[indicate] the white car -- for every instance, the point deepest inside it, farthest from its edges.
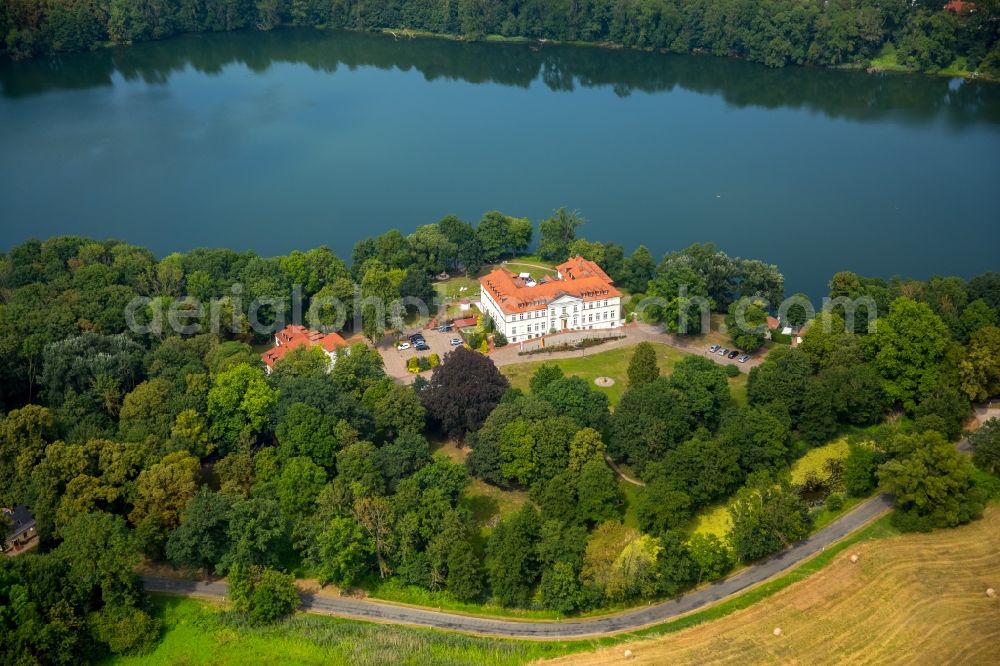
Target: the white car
(456, 342)
(403, 345)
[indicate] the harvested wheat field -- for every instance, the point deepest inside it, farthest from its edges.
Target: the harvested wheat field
(916, 598)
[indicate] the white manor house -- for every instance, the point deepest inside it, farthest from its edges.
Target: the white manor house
(581, 297)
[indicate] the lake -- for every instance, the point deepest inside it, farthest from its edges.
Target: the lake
(292, 139)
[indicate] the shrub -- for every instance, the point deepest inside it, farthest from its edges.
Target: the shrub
(732, 371)
(779, 338)
(433, 360)
(126, 630)
(571, 346)
(262, 593)
(413, 364)
(834, 503)
(499, 339)
(712, 557)
(859, 470)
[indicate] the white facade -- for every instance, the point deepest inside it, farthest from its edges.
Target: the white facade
(563, 313)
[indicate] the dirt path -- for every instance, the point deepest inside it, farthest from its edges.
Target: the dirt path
(621, 474)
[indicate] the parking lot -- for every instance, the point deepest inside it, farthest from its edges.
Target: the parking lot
(723, 353)
(395, 359)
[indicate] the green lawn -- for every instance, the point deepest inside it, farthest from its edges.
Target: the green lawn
(713, 519)
(532, 259)
(458, 288)
(197, 633)
(887, 61)
(815, 460)
(486, 502)
(535, 272)
(489, 503)
(631, 491)
(593, 363)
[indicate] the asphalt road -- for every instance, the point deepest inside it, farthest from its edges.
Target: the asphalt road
(378, 611)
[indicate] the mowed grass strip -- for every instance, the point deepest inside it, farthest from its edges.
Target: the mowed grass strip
(196, 633)
(914, 598)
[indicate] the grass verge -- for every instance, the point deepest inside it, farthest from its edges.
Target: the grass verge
(196, 632)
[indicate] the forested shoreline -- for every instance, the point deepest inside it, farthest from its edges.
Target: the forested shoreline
(925, 36)
(179, 450)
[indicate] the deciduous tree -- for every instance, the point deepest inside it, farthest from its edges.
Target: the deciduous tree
(985, 444)
(933, 484)
(642, 367)
(463, 391)
(767, 516)
(908, 347)
(240, 406)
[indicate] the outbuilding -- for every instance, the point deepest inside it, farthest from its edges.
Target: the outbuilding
(20, 530)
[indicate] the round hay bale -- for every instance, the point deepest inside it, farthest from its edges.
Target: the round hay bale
(777, 631)
(854, 559)
(991, 593)
(628, 654)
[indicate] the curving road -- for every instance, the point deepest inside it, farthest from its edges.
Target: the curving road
(630, 620)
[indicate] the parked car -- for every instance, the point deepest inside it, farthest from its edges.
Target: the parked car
(403, 345)
(734, 353)
(744, 358)
(714, 348)
(723, 352)
(455, 342)
(421, 346)
(416, 336)
(445, 329)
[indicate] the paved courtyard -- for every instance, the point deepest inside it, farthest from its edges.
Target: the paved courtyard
(395, 359)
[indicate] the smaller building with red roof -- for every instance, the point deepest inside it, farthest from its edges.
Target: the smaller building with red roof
(959, 7)
(294, 336)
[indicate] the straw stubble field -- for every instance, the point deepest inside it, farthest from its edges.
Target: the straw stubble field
(915, 599)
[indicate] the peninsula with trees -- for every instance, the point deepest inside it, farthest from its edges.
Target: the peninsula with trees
(497, 482)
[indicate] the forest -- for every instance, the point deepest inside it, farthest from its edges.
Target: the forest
(922, 35)
(179, 451)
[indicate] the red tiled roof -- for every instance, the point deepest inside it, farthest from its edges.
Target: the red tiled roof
(577, 267)
(273, 355)
(959, 7)
(464, 323)
(772, 323)
(296, 335)
(581, 278)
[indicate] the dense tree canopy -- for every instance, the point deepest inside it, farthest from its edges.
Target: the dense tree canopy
(774, 32)
(463, 391)
(934, 484)
(182, 450)
(907, 347)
